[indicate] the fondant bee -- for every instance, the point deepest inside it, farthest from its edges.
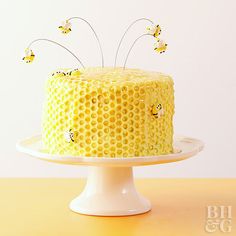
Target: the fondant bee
(157, 111)
(75, 72)
(69, 136)
(154, 30)
(160, 46)
(65, 27)
(29, 56)
(58, 74)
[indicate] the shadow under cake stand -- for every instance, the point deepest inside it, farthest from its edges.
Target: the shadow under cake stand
(110, 189)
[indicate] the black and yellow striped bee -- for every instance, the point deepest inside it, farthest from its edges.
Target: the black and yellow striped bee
(157, 110)
(29, 56)
(65, 27)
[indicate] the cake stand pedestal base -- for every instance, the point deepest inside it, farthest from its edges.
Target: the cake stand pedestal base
(110, 191)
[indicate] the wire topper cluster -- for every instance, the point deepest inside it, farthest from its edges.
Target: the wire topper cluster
(153, 30)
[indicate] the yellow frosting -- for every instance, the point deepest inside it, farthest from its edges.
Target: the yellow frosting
(108, 112)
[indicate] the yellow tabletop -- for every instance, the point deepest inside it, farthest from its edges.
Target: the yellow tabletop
(33, 207)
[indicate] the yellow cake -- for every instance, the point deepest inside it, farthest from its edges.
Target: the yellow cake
(108, 112)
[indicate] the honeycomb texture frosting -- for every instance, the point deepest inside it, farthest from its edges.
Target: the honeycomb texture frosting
(109, 112)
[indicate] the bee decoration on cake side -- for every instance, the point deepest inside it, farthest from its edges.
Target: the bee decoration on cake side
(157, 110)
(29, 56)
(69, 136)
(65, 27)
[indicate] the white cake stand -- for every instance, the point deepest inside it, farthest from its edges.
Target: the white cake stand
(110, 189)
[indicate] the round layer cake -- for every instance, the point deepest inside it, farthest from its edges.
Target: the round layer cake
(108, 112)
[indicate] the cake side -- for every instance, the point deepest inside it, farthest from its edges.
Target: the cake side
(108, 112)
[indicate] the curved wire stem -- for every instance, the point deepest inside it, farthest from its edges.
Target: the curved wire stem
(99, 43)
(126, 31)
(51, 41)
(135, 41)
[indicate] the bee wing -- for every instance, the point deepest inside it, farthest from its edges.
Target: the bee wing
(63, 23)
(28, 52)
(151, 29)
(67, 24)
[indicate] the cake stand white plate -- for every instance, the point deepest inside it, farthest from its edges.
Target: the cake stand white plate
(110, 189)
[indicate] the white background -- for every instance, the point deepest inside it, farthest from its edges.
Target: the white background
(201, 35)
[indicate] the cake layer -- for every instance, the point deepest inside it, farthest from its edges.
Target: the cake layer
(108, 112)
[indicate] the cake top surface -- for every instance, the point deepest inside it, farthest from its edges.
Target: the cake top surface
(112, 75)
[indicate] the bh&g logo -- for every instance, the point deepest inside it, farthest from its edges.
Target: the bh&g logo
(219, 218)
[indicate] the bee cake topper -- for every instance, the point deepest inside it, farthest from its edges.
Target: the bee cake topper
(154, 30)
(66, 28)
(29, 55)
(160, 46)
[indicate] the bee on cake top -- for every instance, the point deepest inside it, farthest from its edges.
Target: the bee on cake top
(58, 74)
(75, 72)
